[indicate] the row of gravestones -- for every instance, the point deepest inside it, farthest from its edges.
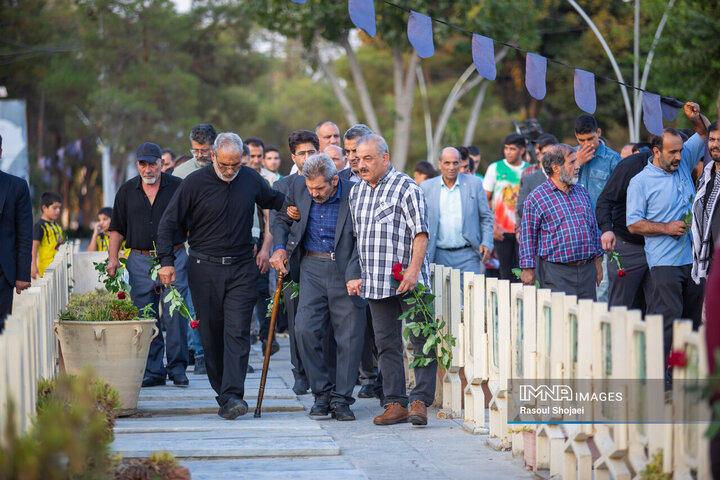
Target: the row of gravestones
(28, 346)
(509, 332)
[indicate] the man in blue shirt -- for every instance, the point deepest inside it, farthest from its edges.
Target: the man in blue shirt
(323, 261)
(658, 199)
(597, 161)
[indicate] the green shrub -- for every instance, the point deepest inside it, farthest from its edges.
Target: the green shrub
(654, 469)
(161, 465)
(107, 400)
(99, 306)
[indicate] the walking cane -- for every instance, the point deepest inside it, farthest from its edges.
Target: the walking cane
(268, 347)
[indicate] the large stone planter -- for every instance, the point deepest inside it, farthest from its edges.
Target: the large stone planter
(116, 351)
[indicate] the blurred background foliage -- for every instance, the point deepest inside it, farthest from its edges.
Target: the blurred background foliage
(122, 72)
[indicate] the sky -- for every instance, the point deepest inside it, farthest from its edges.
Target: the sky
(182, 5)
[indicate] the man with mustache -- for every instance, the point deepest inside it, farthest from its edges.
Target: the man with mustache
(658, 199)
(350, 138)
(706, 215)
(202, 137)
(216, 206)
(139, 204)
(560, 231)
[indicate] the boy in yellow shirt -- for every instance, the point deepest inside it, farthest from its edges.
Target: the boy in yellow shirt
(47, 234)
(100, 239)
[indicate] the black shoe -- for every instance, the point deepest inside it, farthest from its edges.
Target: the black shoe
(253, 339)
(153, 381)
(233, 408)
(200, 366)
(301, 386)
(250, 369)
(274, 347)
(366, 391)
(342, 413)
(191, 357)
(179, 380)
(321, 407)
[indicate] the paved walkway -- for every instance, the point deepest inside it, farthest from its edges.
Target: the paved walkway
(286, 443)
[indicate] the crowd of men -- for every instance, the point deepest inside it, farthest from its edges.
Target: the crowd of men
(223, 223)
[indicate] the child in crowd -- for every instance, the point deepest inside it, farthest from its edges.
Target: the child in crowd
(100, 240)
(47, 234)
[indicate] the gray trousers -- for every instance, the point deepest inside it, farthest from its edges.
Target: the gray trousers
(324, 300)
(675, 296)
(577, 280)
(465, 259)
(388, 338)
(143, 292)
(633, 290)
(368, 370)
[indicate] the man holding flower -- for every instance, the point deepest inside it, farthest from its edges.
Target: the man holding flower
(390, 220)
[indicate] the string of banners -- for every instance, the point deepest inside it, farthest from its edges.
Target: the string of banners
(656, 108)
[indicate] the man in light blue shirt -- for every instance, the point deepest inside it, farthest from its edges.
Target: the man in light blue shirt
(460, 223)
(658, 199)
(597, 161)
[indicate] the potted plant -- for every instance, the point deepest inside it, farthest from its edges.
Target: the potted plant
(529, 440)
(106, 332)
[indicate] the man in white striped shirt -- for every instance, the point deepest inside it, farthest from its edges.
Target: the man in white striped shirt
(390, 221)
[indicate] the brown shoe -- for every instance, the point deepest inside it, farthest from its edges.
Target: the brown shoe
(418, 413)
(394, 413)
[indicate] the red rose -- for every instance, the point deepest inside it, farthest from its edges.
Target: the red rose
(398, 276)
(621, 273)
(194, 324)
(677, 358)
(121, 295)
(397, 268)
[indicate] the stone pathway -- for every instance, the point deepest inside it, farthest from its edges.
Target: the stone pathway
(287, 444)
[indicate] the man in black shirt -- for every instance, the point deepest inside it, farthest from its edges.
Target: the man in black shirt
(139, 205)
(632, 289)
(216, 206)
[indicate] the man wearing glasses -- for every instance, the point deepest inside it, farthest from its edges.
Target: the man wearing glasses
(216, 206)
(202, 137)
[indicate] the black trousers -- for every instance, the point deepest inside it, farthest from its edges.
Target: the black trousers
(6, 299)
(368, 361)
(507, 253)
(675, 296)
(634, 290)
(224, 297)
(291, 306)
(261, 303)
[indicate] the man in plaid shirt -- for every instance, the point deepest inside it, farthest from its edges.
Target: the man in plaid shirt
(559, 227)
(390, 221)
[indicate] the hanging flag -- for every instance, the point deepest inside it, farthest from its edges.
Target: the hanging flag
(299, 1)
(362, 14)
(483, 53)
(535, 70)
(670, 107)
(652, 113)
(419, 30)
(585, 91)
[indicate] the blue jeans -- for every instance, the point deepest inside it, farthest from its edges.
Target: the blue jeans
(143, 292)
(193, 336)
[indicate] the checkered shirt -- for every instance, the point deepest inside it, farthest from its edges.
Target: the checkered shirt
(386, 220)
(559, 227)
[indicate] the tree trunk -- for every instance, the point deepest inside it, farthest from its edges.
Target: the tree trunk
(361, 86)
(405, 95)
(332, 78)
(458, 91)
(426, 107)
(474, 113)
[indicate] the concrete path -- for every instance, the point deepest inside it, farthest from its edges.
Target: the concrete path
(287, 444)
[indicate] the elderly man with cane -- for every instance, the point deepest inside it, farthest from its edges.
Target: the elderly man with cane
(216, 206)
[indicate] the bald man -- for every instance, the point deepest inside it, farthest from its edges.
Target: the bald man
(328, 133)
(459, 218)
(337, 154)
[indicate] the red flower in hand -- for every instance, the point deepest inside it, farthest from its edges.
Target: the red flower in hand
(194, 324)
(677, 358)
(621, 273)
(397, 272)
(121, 295)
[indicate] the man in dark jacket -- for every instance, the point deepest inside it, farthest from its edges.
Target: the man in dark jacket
(16, 225)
